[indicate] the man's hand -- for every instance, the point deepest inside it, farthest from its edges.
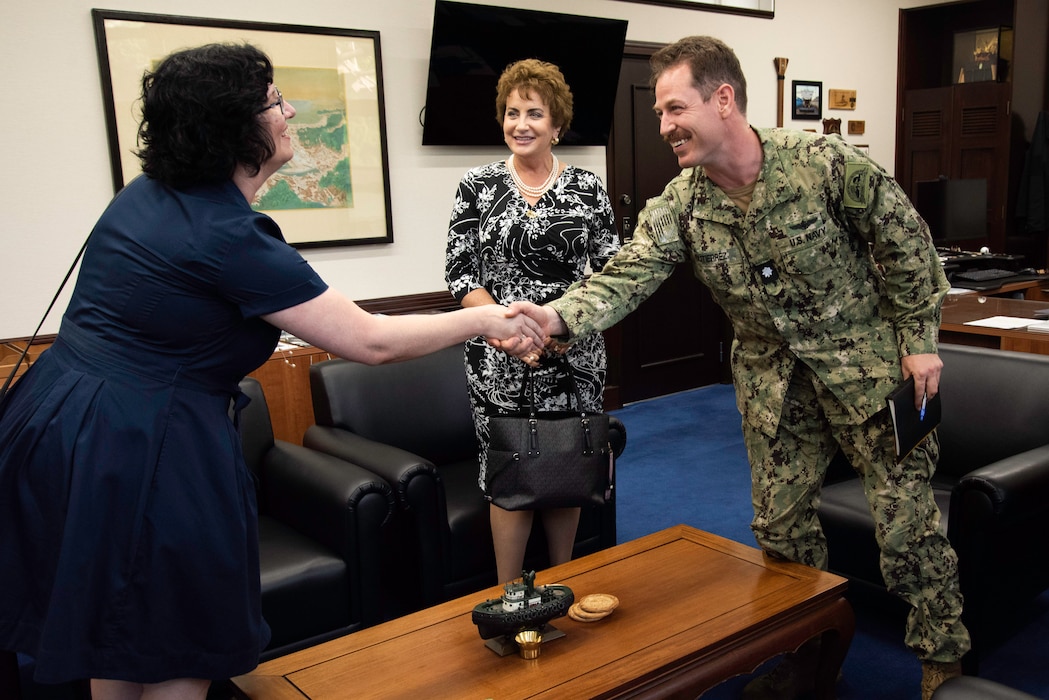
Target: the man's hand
(548, 322)
(514, 332)
(548, 319)
(926, 372)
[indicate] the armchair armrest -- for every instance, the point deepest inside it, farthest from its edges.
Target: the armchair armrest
(417, 483)
(401, 469)
(996, 525)
(1005, 490)
(325, 498)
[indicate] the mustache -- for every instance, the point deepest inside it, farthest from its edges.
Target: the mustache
(674, 136)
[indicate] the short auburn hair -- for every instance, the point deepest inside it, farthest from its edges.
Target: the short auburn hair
(545, 79)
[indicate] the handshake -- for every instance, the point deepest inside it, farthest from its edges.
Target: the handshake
(538, 326)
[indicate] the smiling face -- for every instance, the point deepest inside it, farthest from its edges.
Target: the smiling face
(528, 128)
(275, 114)
(694, 129)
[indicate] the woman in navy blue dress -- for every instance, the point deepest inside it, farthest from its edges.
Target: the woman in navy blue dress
(128, 544)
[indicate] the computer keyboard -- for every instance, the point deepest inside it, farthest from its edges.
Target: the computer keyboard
(984, 275)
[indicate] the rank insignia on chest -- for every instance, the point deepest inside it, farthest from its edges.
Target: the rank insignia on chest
(766, 272)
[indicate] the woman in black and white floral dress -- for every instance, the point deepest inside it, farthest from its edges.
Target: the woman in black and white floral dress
(525, 229)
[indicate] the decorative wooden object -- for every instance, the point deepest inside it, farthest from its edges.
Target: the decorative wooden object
(832, 126)
(781, 72)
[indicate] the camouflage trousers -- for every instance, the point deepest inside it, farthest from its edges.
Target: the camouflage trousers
(917, 562)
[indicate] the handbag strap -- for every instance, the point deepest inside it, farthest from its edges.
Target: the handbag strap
(526, 399)
(528, 390)
(29, 343)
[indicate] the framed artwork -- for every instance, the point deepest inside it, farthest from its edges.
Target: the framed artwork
(806, 99)
(336, 190)
(841, 99)
(982, 55)
(756, 8)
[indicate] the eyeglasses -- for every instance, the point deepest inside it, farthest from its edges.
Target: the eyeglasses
(278, 103)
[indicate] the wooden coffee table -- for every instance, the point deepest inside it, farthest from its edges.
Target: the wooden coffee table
(695, 609)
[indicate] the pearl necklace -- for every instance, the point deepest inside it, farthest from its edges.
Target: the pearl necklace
(534, 191)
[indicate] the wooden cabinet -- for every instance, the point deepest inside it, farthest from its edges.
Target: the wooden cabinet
(11, 351)
(961, 132)
(285, 379)
(972, 129)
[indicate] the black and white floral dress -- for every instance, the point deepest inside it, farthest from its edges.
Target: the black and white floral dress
(518, 251)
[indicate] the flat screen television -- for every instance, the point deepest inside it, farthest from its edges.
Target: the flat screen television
(473, 44)
(956, 210)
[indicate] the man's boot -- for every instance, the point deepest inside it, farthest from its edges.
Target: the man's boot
(934, 674)
(793, 677)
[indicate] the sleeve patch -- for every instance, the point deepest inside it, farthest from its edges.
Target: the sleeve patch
(661, 220)
(857, 193)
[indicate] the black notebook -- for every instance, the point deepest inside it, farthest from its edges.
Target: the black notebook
(909, 424)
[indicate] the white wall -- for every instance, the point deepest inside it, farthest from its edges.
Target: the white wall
(57, 179)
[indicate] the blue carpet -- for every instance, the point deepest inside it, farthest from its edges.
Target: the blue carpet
(685, 463)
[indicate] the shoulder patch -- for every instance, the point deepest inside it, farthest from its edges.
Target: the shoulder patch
(661, 220)
(857, 194)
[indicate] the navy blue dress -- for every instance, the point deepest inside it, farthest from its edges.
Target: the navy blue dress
(128, 543)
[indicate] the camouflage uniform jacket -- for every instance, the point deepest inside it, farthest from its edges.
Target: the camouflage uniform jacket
(831, 266)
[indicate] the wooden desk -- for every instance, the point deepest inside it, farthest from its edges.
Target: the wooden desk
(1031, 289)
(695, 609)
(958, 309)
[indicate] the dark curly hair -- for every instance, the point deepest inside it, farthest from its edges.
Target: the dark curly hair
(546, 79)
(199, 114)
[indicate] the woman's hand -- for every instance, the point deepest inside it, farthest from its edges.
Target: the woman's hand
(512, 331)
(527, 352)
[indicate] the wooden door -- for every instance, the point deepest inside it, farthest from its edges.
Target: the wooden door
(676, 340)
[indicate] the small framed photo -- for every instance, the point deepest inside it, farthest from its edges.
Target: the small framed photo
(982, 55)
(841, 99)
(857, 127)
(807, 102)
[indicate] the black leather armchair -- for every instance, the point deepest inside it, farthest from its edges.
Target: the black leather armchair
(411, 423)
(321, 522)
(991, 484)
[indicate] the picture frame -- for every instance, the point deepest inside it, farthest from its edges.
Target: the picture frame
(982, 55)
(333, 78)
(806, 99)
(762, 8)
(841, 99)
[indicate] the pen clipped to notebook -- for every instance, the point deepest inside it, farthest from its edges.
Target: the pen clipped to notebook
(911, 425)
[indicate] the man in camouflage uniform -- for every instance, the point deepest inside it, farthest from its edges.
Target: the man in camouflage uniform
(833, 288)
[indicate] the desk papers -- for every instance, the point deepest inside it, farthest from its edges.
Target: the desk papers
(1003, 322)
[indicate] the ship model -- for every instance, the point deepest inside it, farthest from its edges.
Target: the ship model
(523, 605)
